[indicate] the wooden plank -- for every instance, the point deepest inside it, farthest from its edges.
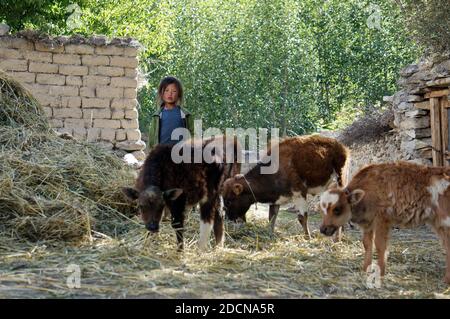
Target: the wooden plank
(438, 93)
(445, 82)
(425, 105)
(444, 129)
(436, 139)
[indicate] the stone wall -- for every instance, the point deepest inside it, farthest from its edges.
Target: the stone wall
(413, 123)
(87, 86)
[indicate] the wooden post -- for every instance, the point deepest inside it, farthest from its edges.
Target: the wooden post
(436, 137)
(444, 129)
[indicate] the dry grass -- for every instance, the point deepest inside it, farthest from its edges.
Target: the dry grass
(53, 188)
(253, 264)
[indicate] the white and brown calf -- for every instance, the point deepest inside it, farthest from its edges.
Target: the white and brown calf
(307, 165)
(381, 196)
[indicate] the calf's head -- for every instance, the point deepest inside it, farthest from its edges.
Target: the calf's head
(151, 202)
(336, 207)
(237, 198)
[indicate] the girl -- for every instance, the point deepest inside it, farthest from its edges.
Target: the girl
(170, 114)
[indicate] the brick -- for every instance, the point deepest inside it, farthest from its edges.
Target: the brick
(131, 73)
(80, 133)
(71, 101)
(131, 114)
(43, 67)
(130, 93)
(125, 62)
(48, 111)
(133, 135)
(73, 69)
(47, 100)
(95, 60)
(123, 104)
(106, 123)
(94, 103)
(109, 50)
(96, 80)
(129, 124)
(131, 146)
(79, 49)
(51, 79)
(37, 56)
(36, 88)
(16, 43)
(60, 90)
(67, 113)
(110, 92)
(74, 80)
(49, 48)
(77, 123)
(121, 135)
(72, 59)
(108, 134)
(132, 52)
(107, 70)
(93, 134)
(6, 53)
(123, 82)
(87, 91)
(14, 65)
(118, 114)
(97, 113)
(56, 123)
(23, 76)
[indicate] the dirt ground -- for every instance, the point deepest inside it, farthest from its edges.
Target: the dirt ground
(253, 264)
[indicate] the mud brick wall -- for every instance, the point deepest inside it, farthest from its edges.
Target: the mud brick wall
(87, 86)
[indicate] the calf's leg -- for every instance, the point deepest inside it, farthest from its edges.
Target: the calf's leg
(218, 226)
(206, 223)
(302, 216)
(338, 234)
(368, 248)
(178, 225)
(273, 213)
(381, 242)
(446, 241)
(444, 234)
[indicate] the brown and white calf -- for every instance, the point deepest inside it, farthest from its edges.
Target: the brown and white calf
(307, 165)
(163, 182)
(381, 196)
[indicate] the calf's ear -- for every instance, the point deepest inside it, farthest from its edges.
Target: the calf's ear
(356, 196)
(172, 194)
(238, 188)
(131, 193)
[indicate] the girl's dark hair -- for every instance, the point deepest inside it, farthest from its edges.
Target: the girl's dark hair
(164, 83)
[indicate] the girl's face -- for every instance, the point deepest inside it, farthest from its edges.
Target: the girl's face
(170, 94)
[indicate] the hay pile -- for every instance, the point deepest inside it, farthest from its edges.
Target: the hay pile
(53, 188)
(253, 264)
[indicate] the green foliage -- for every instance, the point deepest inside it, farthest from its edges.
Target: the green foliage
(297, 65)
(429, 22)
